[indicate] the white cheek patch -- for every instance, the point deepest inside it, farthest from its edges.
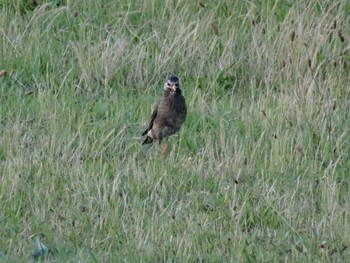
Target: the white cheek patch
(150, 134)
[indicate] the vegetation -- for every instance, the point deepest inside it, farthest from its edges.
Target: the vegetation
(259, 172)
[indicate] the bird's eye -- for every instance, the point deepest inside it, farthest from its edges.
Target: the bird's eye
(177, 84)
(168, 83)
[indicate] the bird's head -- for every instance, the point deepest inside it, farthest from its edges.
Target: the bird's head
(172, 84)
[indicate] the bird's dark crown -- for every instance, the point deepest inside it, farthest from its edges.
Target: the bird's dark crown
(173, 80)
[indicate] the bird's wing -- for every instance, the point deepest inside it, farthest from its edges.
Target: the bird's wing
(154, 115)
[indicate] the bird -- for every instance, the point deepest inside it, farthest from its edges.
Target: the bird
(169, 113)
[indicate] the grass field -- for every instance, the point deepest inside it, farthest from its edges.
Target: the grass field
(260, 172)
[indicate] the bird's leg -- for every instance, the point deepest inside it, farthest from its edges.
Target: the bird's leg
(166, 150)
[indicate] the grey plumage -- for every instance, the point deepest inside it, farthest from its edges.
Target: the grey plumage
(169, 113)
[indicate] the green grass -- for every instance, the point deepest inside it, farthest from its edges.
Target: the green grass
(259, 172)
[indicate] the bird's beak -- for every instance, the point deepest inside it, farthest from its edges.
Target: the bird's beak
(173, 87)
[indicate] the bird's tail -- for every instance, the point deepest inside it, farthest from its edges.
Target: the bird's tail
(148, 140)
